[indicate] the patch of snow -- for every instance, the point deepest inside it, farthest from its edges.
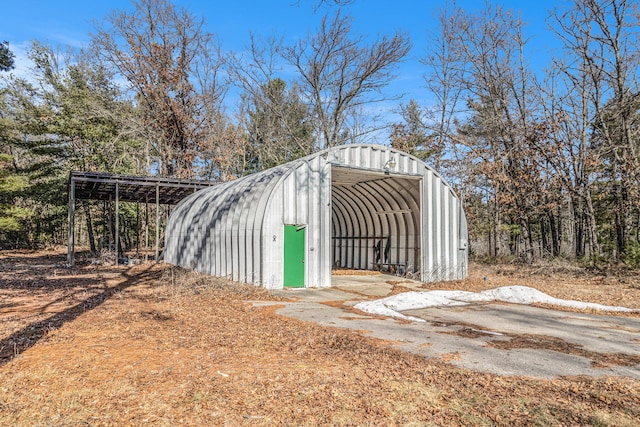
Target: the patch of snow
(378, 307)
(482, 331)
(393, 306)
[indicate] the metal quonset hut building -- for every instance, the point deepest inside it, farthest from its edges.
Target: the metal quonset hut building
(353, 206)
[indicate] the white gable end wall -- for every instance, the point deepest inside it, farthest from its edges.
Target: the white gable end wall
(302, 198)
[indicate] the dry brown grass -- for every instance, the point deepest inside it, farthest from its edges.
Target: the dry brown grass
(170, 348)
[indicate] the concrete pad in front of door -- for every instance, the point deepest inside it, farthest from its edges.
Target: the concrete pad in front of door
(473, 336)
(374, 285)
(350, 288)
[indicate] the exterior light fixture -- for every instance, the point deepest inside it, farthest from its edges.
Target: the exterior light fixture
(390, 164)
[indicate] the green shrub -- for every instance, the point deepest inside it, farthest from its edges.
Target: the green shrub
(631, 255)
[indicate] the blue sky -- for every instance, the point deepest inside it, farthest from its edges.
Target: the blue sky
(69, 22)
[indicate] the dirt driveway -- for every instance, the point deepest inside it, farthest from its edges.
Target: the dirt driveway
(505, 339)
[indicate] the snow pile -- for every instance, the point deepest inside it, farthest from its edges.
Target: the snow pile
(393, 305)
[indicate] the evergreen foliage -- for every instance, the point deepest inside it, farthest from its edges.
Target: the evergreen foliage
(7, 57)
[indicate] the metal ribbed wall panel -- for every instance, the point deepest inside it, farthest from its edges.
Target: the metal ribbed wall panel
(348, 198)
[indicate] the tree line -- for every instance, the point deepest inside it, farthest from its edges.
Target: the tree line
(544, 158)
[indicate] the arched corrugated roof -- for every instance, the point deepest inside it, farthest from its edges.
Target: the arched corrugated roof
(348, 196)
(209, 222)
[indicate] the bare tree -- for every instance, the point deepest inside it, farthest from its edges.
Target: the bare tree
(479, 59)
(539, 152)
(276, 119)
(568, 113)
(172, 65)
(593, 117)
(317, 4)
(223, 150)
(340, 73)
(613, 61)
(445, 81)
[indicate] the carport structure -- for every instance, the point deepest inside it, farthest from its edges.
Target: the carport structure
(128, 188)
(355, 206)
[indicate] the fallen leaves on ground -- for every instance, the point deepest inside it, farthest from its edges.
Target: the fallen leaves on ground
(165, 347)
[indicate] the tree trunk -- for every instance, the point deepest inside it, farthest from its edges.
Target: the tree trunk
(92, 241)
(545, 228)
(527, 253)
(578, 221)
(621, 217)
(555, 235)
(594, 245)
(496, 227)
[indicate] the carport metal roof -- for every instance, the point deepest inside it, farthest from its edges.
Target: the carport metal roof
(141, 189)
(129, 188)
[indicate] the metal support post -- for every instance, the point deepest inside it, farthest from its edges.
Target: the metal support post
(157, 223)
(117, 222)
(71, 224)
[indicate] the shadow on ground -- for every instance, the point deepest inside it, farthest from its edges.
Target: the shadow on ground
(42, 280)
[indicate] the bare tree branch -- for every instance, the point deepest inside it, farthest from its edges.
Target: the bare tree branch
(340, 72)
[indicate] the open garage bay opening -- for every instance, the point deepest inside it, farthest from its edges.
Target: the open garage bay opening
(375, 221)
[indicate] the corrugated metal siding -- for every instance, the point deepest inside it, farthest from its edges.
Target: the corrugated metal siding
(236, 229)
(214, 230)
(299, 199)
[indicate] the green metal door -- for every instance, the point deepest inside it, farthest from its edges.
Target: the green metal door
(294, 256)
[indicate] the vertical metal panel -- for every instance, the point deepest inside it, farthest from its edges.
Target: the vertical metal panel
(453, 232)
(453, 228)
(421, 252)
(273, 241)
(427, 231)
(463, 243)
(319, 232)
(436, 227)
(324, 234)
(445, 231)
